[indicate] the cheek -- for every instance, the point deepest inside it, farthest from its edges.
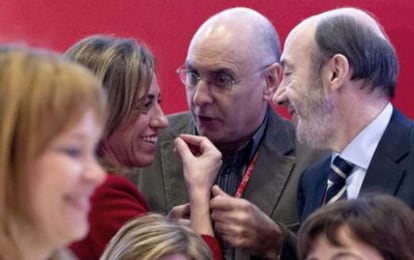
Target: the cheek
(139, 125)
(189, 94)
(48, 183)
(123, 136)
(291, 95)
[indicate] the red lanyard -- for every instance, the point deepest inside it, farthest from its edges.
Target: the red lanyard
(246, 177)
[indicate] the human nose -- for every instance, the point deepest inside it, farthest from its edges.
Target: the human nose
(94, 172)
(202, 94)
(159, 120)
(280, 98)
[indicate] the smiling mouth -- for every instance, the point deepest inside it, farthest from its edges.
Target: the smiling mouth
(80, 202)
(150, 139)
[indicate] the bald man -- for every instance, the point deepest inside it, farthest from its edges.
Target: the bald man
(230, 74)
(340, 72)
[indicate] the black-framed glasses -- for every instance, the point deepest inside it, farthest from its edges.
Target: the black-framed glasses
(219, 80)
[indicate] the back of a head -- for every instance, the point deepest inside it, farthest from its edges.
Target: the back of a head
(245, 28)
(153, 236)
(42, 95)
(381, 221)
(124, 66)
(361, 39)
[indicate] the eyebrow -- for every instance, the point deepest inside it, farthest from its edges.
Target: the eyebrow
(190, 66)
(76, 135)
(340, 254)
(284, 63)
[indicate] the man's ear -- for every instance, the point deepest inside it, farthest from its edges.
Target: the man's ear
(337, 71)
(272, 76)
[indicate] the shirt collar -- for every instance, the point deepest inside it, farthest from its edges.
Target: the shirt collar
(362, 148)
(258, 135)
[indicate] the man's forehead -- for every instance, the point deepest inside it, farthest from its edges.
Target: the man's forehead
(206, 66)
(302, 37)
(209, 57)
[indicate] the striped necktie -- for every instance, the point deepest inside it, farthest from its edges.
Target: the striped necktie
(336, 189)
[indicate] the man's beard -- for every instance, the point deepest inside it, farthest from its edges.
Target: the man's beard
(315, 118)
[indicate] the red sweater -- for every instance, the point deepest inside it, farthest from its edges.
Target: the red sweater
(115, 202)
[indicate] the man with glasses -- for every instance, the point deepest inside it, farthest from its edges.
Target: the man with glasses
(230, 73)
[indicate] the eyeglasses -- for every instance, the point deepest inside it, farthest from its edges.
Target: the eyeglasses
(219, 80)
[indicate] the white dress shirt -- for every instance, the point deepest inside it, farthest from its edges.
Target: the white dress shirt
(362, 148)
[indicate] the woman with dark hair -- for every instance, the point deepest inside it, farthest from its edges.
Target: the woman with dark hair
(367, 228)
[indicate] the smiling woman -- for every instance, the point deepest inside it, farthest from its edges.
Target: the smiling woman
(127, 71)
(51, 117)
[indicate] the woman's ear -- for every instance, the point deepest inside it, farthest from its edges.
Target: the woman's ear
(272, 76)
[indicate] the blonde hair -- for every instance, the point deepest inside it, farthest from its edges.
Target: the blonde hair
(125, 68)
(41, 95)
(152, 236)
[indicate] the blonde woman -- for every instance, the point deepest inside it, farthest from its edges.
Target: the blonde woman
(127, 71)
(156, 237)
(51, 117)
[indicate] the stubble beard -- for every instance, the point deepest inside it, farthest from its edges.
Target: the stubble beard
(315, 121)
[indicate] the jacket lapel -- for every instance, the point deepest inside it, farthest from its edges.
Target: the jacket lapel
(274, 165)
(171, 165)
(313, 183)
(385, 171)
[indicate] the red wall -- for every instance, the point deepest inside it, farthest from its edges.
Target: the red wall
(167, 26)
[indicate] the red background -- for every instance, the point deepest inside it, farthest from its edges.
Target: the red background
(167, 26)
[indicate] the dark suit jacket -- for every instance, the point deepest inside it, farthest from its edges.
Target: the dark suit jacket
(272, 187)
(391, 169)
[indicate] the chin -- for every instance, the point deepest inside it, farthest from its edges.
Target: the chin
(144, 161)
(74, 233)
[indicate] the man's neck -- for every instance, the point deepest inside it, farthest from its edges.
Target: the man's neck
(352, 125)
(229, 149)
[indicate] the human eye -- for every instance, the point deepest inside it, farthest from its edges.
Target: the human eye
(287, 76)
(146, 107)
(287, 73)
(222, 80)
(73, 152)
(149, 103)
(192, 78)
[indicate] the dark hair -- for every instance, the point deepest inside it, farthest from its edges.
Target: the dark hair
(371, 56)
(380, 221)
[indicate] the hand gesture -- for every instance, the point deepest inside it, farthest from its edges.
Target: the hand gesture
(201, 162)
(243, 225)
